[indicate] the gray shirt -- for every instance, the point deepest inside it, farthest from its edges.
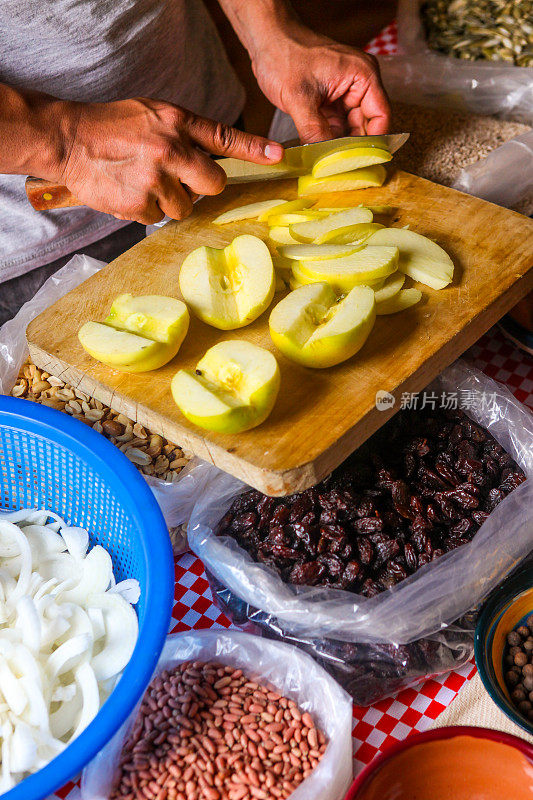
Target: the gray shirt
(101, 50)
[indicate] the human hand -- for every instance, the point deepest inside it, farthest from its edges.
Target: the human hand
(140, 159)
(328, 89)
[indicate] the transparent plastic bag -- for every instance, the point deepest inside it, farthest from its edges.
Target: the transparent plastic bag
(505, 176)
(411, 627)
(176, 499)
(424, 77)
(290, 671)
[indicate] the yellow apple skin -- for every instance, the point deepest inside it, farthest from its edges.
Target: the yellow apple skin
(342, 274)
(313, 328)
(229, 288)
(343, 182)
(234, 387)
(163, 319)
(399, 302)
(280, 235)
(312, 252)
(124, 351)
(310, 231)
(347, 160)
(288, 207)
(350, 234)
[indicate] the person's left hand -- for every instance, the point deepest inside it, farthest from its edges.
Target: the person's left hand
(328, 89)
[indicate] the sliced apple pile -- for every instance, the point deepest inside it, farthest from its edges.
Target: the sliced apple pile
(403, 299)
(315, 252)
(233, 388)
(342, 274)
(229, 288)
(348, 159)
(313, 230)
(140, 334)
(343, 182)
(281, 235)
(350, 234)
(311, 326)
(420, 257)
(287, 207)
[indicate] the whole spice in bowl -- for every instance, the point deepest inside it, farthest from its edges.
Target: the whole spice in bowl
(205, 731)
(519, 662)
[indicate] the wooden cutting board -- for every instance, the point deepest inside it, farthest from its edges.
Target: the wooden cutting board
(321, 416)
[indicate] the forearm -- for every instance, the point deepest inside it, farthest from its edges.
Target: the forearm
(35, 131)
(256, 21)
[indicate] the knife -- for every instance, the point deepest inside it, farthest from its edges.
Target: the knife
(46, 195)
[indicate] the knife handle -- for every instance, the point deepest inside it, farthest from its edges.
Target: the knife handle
(46, 195)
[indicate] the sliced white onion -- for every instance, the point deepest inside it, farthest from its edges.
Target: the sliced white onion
(88, 686)
(129, 589)
(23, 748)
(96, 615)
(10, 687)
(68, 655)
(96, 570)
(122, 629)
(76, 540)
(67, 716)
(29, 623)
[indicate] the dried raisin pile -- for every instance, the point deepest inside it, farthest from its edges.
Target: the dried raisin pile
(420, 487)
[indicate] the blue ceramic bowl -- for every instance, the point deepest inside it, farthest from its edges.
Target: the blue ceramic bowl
(506, 608)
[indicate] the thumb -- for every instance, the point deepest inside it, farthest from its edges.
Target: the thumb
(223, 140)
(311, 124)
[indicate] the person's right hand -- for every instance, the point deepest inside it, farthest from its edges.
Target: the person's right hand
(140, 159)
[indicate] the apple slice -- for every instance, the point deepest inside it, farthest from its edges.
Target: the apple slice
(312, 327)
(420, 257)
(233, 388)
(367, 264)
(281, 235)
(348, 160)
(229, 288)
(247, 212)
(351, 234)
(343, 182)
(287, 207)
(125, 351)
(399, 302)
(315, 252)
(390, 287)
(163, 319)
(310, 231)
(305, 215)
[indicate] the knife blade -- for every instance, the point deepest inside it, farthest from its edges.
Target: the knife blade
(300, 159)
(46, 195)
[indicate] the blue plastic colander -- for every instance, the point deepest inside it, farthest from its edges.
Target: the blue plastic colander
(49, 460)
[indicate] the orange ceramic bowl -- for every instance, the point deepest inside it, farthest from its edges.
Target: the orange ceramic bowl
(455, 763)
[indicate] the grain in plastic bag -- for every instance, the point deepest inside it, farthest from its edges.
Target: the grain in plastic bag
(428, 78)
(291, 673)
(175, 499)
(419, 627)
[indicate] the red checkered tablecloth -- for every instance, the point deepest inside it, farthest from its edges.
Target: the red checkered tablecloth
(416, 709)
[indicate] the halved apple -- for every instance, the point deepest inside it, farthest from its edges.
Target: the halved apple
(233, 388)
(348, 160)
(399, 302)
(343, 182)
(351, 234)
(420, 257)
(390, 287)
(313, 327)
(342, 274)
(247, 212)
(312, 230)
(229, 288)
(286, 207)
(315, 252)
(124, 351)
(281, 235)
(163, 319)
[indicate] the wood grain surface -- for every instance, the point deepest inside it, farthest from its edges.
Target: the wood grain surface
(321, 416)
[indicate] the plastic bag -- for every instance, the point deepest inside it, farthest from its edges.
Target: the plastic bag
(407, 632)
(424, 77)
(505, 176)
(176, 499)
(291, 672)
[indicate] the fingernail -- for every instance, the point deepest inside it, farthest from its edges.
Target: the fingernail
(274, 152)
